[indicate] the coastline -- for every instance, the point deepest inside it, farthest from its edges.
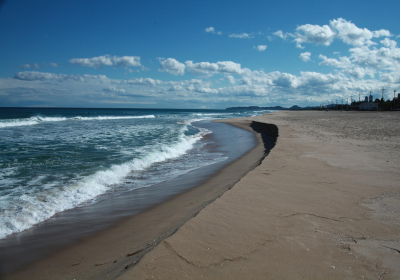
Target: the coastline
(324, 204)
(105, 254)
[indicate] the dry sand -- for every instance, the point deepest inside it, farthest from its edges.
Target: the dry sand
(324, 204)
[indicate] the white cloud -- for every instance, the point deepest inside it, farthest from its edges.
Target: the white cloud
(349, 33)
(114, 89)
(315, 34)
(37, 76)
(348, 67)
(207, 68)
(389, 43)
(383, 58)
(241, 36)
(305, 56)
(176, 88)
(261, 48)
(172, 66)
(190, 87)
(359, 72)
(343, 63)
(280, 34)
(128, 70)
(125, 61)
(231, 79)
(307, 84)
(191, 82)
(382, 33)
(246, 81)
(392, 78)
(339, 28)
(201, 67)
(286, 80)
(34, 65)
(143, 82)
(149, 82)
(37, 66)
(315, 79)
(41, 76)
(206, 90)
(106, 60)
(212, 30)
(373, 59)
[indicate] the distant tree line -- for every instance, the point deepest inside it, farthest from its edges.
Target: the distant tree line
(382, 104)
(389, 104)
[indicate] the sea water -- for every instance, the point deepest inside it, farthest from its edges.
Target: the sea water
(55, 159)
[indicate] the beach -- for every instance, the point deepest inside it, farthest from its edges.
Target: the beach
(199, 140)
(322, 202)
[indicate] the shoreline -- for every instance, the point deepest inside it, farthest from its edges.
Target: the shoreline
(125, 246)
(67, 228)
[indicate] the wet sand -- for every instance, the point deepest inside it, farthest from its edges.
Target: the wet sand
(324, 204)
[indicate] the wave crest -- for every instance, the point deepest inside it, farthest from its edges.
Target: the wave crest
(33, 209)
(38, 120)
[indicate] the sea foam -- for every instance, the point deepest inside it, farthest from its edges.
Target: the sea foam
(38, 120)
(33, 209)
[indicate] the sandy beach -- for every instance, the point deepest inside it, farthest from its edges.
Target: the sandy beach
(199, 140)
(323, 204)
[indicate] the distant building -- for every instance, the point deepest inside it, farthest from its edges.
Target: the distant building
(368, 104)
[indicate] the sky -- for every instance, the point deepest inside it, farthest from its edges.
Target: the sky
(196, 54)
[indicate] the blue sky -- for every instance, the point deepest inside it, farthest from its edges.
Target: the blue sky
(196, 54)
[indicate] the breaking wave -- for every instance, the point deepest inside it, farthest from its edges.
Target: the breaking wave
(34, 208)
(38, 120)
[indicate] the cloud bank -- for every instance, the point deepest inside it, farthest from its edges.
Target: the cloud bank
(106, 60)
(340, 28)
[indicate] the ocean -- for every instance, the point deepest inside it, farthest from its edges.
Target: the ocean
(56, 159)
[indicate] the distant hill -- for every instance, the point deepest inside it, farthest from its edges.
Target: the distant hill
(294, 107)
